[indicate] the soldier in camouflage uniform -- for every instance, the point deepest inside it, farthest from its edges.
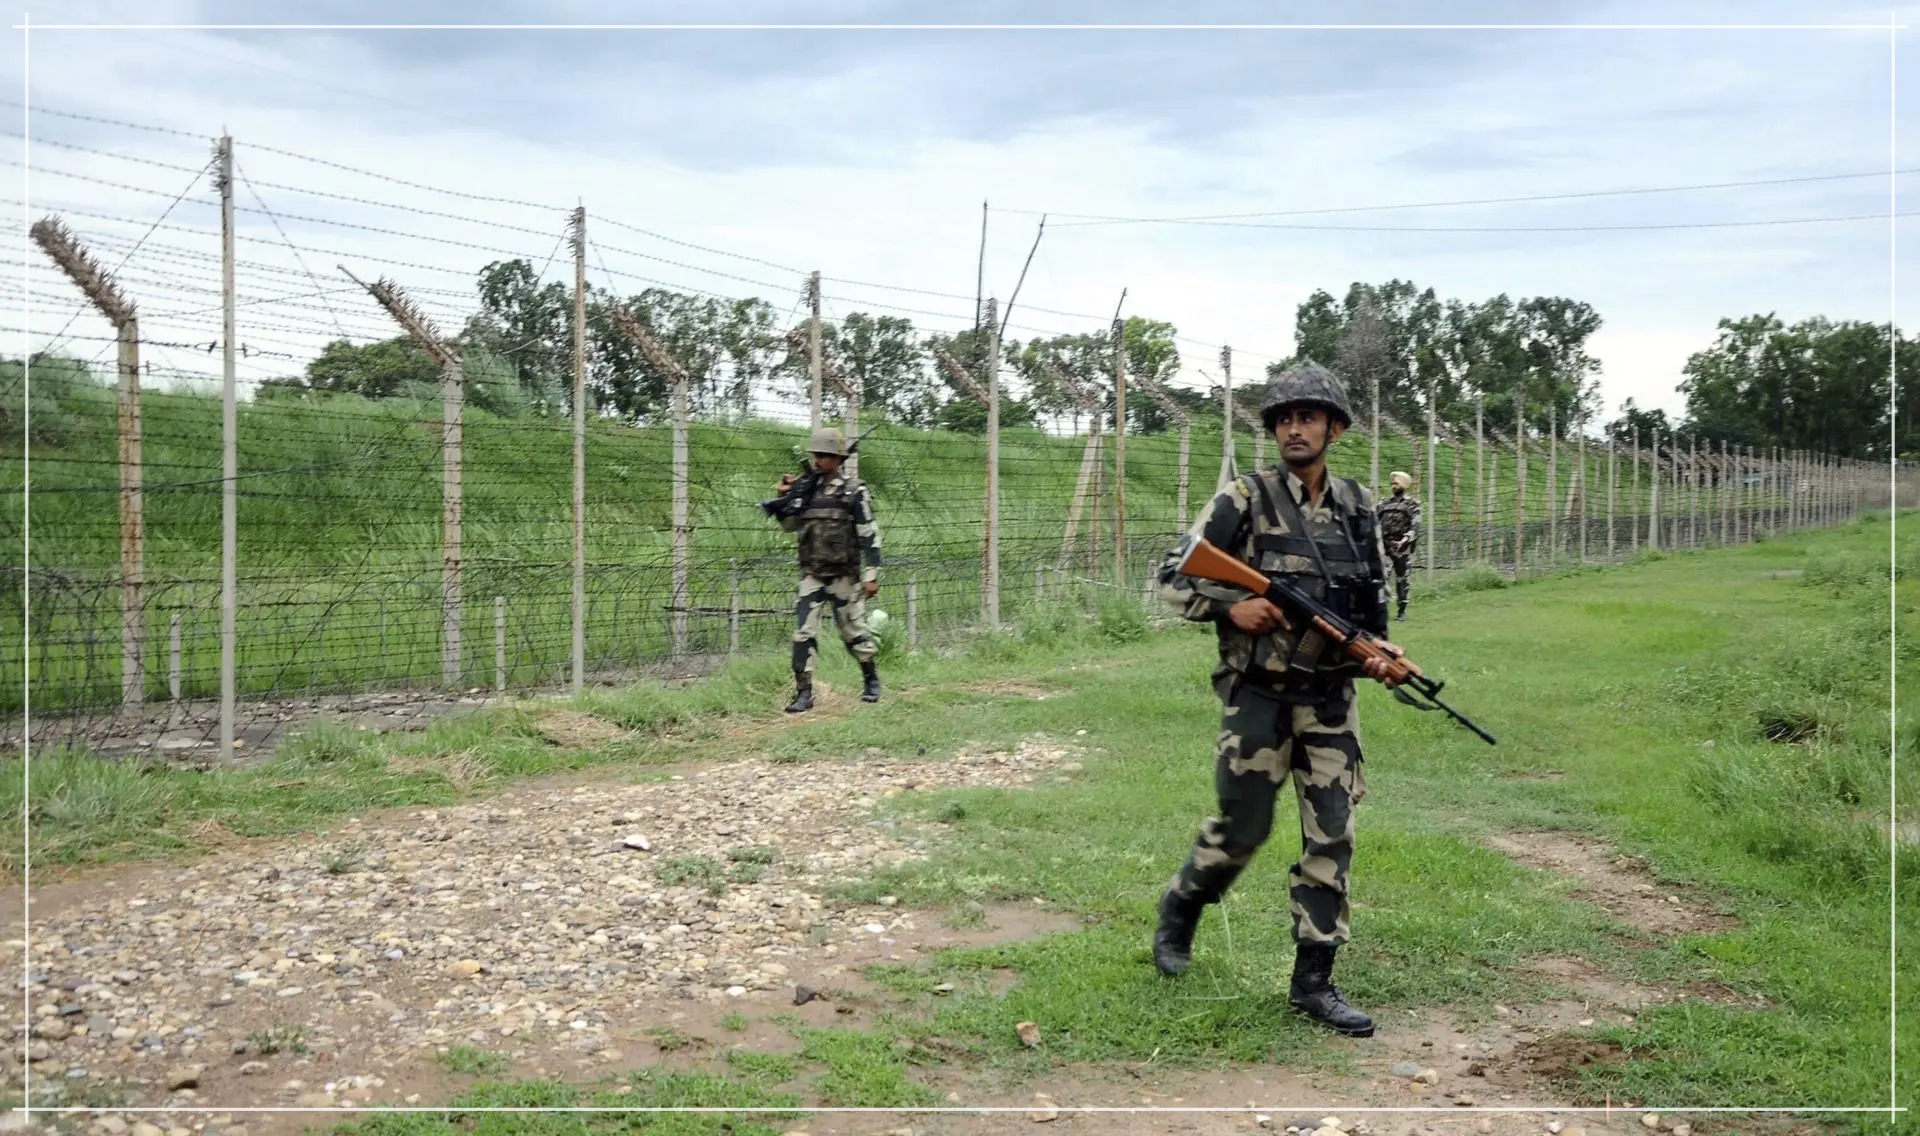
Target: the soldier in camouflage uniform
(840, 559)
(1400, 530)
(1287, 698)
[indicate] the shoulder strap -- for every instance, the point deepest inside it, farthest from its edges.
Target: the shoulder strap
(1358, 519)
(1258, 481)
(1353, 495)
(1298, 523)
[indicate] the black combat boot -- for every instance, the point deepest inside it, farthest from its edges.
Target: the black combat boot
(871, 691)
(1315, 995)
(802, 693)
(1401, 615)
(1173, 938)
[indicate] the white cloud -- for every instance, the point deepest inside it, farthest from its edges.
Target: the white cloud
(858, 196)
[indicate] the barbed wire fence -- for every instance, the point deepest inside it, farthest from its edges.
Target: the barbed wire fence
(210, 555)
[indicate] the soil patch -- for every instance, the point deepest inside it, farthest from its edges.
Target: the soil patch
(1618, 883)
(571, 729)
(565, 930)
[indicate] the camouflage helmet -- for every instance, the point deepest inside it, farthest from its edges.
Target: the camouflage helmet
(1400, 479)
(827, 440)
(1308, 384)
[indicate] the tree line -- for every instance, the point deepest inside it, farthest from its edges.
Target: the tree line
(1523, 363)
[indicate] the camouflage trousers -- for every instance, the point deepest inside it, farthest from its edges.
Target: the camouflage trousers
(1402, 573)
(843, 596)
(1262, 741)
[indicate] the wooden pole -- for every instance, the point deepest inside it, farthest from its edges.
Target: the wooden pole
(1228, 470)
(1653, 505)
(173, 660)
(452, 399)
(579, 661)
(814, 358)
(1490, 507)
(1613, 490)
(1580, 450)
(1727, 494)
(913, 613)
(627, 324)
(1634, 456)
(991, 589)
(1743, 507)
(733, 607)
(1373, 429)
(1693, 495)
(133, 617)
(500, 644)
(1519, 479)
(1553, 485)
(682, 528)
(1482, 499)
(1433, 481)
(1119, 452)
(93, 281)
(229, 461)
(1180, 485)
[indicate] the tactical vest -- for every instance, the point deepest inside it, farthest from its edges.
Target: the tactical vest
(828, 542)
(1396, 517)
(1331, 560)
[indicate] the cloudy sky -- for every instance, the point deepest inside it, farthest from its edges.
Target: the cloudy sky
(867, 153)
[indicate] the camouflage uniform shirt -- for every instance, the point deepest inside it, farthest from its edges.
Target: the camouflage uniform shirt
(1400, 524)
(853, 492)
(1235, 521)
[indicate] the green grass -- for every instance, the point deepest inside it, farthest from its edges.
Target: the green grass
(865, 1070)
(467, 1061)
(339, 531)
(1647, 687)
(277, 1039)
(656, 1089)
(767, 1068)
(1617, 680)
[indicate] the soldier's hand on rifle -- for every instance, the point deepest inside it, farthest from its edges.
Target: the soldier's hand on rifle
(1381, 669)
(870, 588)
(1257, 616)
(786, 483)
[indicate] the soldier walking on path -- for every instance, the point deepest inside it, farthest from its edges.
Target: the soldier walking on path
(1287, 697)
(840, 561)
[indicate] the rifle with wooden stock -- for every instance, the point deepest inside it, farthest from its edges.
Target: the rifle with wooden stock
(1204, 560)
(790, 503)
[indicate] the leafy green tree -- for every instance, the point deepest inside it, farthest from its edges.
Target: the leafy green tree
(381, 369)
(1818, 385)
(529, 326)
(884, 361)
(1637, 426)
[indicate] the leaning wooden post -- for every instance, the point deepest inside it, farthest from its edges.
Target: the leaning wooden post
(1157, 391)
(94, 282)
(987, 396)
(452, 399)
(629, 325)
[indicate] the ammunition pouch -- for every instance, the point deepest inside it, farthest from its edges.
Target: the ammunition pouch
(828, 547)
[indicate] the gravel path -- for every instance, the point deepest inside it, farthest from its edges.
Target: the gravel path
(539, 922)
